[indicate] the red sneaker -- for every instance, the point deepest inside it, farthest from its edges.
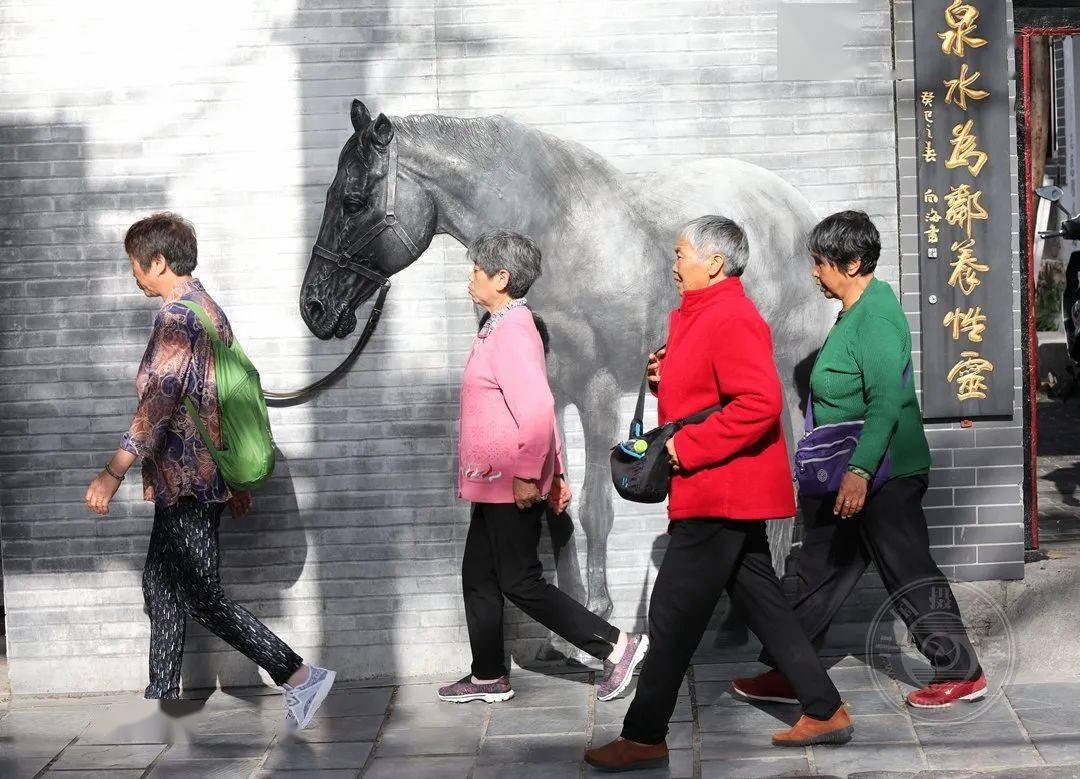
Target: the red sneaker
(769, 686)
(941, 694)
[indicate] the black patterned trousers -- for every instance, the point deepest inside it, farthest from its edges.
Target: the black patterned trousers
(181, 579)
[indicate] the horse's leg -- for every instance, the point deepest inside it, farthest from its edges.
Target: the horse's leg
(732, 631)
(599, 409)
(564, 550)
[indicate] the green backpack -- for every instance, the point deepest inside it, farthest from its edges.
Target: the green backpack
(247, 459)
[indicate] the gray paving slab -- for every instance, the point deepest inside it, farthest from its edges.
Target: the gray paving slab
(728, 745)
(853, 756)
(1059, 749)
(562, 748)
(1050, 722)
(438, 714)
(523, 722)
(21, 767)
(874, 702)
(859, 677)
(996, 709)
(101, 757)
(301, 756)
(980, 756)
(609, 712)
(528, 770)
(419, 767)
(1044, 695)
(727, 671)
(753, 768)
(235, 722)
(429, 741)
(883, 729)
(340, 773)
(127, 773)
(355, 703)
(208, 769)
(222, 747)
(341, 729)
(747, 718)
(974, 733)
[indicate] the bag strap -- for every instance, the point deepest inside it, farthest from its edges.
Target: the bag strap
(808, 423)
(203, 317)
(189, 404)
(637, 424)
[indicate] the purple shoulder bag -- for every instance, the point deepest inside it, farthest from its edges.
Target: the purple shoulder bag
(823, 454)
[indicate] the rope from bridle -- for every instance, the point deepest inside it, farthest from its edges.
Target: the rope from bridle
(344, 260)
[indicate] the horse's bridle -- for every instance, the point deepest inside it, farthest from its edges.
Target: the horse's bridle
(347, 260)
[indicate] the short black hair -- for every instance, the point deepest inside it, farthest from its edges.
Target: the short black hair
(167, 234)
(844, 237)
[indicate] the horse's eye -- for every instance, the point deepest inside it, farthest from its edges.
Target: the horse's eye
(353, 203)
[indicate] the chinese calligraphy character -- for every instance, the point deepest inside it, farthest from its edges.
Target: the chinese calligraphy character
(960, 88)
(932, 236)
(966, 267)
(929, 196)
(965, 151)
(928, 98)
(960, 17)
(971, 322)
(968, 373)
(964, 206)
(933, 216)
(929, 152)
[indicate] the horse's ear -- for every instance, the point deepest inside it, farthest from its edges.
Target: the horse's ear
(360, 116)
(382, 132)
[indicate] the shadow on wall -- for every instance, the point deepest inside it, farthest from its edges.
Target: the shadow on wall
(74, 330)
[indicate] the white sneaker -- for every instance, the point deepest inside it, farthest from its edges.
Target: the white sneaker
(303, 700)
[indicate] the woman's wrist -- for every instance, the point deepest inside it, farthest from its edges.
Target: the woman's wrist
(118, 476)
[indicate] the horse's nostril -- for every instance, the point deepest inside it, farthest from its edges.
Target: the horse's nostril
(314, 310)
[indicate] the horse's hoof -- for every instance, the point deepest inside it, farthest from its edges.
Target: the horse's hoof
(549, 654)
(601, 607)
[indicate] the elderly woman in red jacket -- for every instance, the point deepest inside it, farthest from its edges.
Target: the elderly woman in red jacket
(730, 474)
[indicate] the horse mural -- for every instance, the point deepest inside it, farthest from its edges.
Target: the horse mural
(606, 288)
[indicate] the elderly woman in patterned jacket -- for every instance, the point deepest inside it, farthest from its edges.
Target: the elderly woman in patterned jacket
(510, 464)
(182, 480)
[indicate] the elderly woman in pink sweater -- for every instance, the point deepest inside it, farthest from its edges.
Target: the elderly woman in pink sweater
(510, 467)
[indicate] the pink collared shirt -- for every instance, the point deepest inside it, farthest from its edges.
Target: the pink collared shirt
(507, 422)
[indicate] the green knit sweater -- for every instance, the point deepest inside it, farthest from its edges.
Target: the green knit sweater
(859, 375)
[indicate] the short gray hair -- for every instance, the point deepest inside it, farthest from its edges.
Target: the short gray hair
(719, 235)
(515, 253)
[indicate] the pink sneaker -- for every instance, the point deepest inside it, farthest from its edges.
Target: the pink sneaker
(463, 691)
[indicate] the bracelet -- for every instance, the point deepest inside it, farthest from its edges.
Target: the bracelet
(859, 472)
(109, 471)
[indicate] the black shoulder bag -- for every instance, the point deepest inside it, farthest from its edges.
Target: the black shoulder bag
(639, 465)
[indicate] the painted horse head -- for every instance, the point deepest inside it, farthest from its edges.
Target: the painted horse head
(377, 220)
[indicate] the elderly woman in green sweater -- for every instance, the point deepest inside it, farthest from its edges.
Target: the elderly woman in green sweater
(863, 371)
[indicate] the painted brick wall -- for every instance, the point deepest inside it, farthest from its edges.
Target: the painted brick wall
(233, 114)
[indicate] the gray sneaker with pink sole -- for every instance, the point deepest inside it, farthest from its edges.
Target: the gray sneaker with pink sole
(463, 691)
(617, 676)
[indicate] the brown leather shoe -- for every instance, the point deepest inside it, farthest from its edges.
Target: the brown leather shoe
(623, 755)
(835, 730)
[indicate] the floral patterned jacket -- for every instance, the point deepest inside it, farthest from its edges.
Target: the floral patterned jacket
(179, 361)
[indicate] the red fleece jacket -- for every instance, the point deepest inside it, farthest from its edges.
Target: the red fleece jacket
(734, 464)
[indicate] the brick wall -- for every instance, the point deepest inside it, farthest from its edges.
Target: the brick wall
(233, 115)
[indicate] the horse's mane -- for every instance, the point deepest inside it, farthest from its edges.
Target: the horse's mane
(485, 140)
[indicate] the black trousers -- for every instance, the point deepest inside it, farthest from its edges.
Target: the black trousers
(705, 557)
(891, 532)
(180, 579)
(501, 560)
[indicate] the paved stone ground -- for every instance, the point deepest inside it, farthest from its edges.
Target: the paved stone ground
(401, 730)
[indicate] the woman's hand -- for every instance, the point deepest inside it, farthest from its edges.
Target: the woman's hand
(240, 503)
(654, 366)
(673, 456)
(560, 495)
(852, 495)
(100, 492)
(526, 493)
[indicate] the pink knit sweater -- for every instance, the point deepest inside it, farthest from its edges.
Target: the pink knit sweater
(507, 413)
